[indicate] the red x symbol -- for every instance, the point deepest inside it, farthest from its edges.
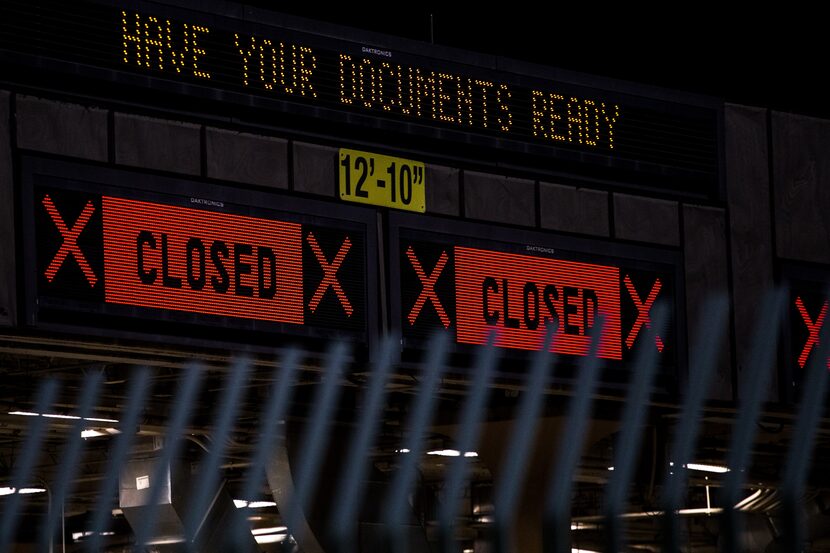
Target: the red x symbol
(428, 291)
(70, 241)
(813, 327)
(643, 312)
(330, 274)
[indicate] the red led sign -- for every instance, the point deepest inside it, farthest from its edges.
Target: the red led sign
(813, 329)
(186, 259)
(116, 260)
(520, 294)
(476, 287)
(428, 290)
(643, 312)
(70, 241)
(330, 275)
(805, 326)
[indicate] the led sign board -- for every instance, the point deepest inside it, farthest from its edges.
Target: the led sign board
(811, 323)
(473, 279)
(274, 62)
(805, 323)
(521, 294)
(213, 259)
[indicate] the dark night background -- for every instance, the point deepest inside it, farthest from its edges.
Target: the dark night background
(770, 57)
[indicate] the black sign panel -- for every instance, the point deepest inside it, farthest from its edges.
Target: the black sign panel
(618, 134)
(114, 249)
(473, 280)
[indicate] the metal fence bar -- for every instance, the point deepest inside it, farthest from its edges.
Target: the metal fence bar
(557, 515)
(23, 467)
(755, 382)
(69, 460)
(276, 406)
(519, 449)
(209, 470)
(702, 368)
(351, 489)
(347, 495)
(123, 442)
(316, 436)
(801, 447)
(181, 415)
(468, 431)
(396, 500)
(634, 413)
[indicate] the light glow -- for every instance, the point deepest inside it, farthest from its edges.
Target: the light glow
(76, 536)
(583, 526)
(271, 538)
(649, 514)
(451, 453)
(98, 432)
(241, 504)
(719, 469)
(6, 490)
(269, 530)
(744, 502)
(59, 416)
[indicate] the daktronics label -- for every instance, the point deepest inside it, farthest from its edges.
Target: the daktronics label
(192, 260)
(112, 251)
(473, 291)
(521, 294)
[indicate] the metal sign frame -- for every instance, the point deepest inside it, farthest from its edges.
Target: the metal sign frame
(135, 184)
(487, 236)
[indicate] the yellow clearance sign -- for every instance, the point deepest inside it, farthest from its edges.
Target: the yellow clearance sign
(382, 180)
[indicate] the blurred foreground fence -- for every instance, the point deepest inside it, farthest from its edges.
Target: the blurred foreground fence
(148, 496)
